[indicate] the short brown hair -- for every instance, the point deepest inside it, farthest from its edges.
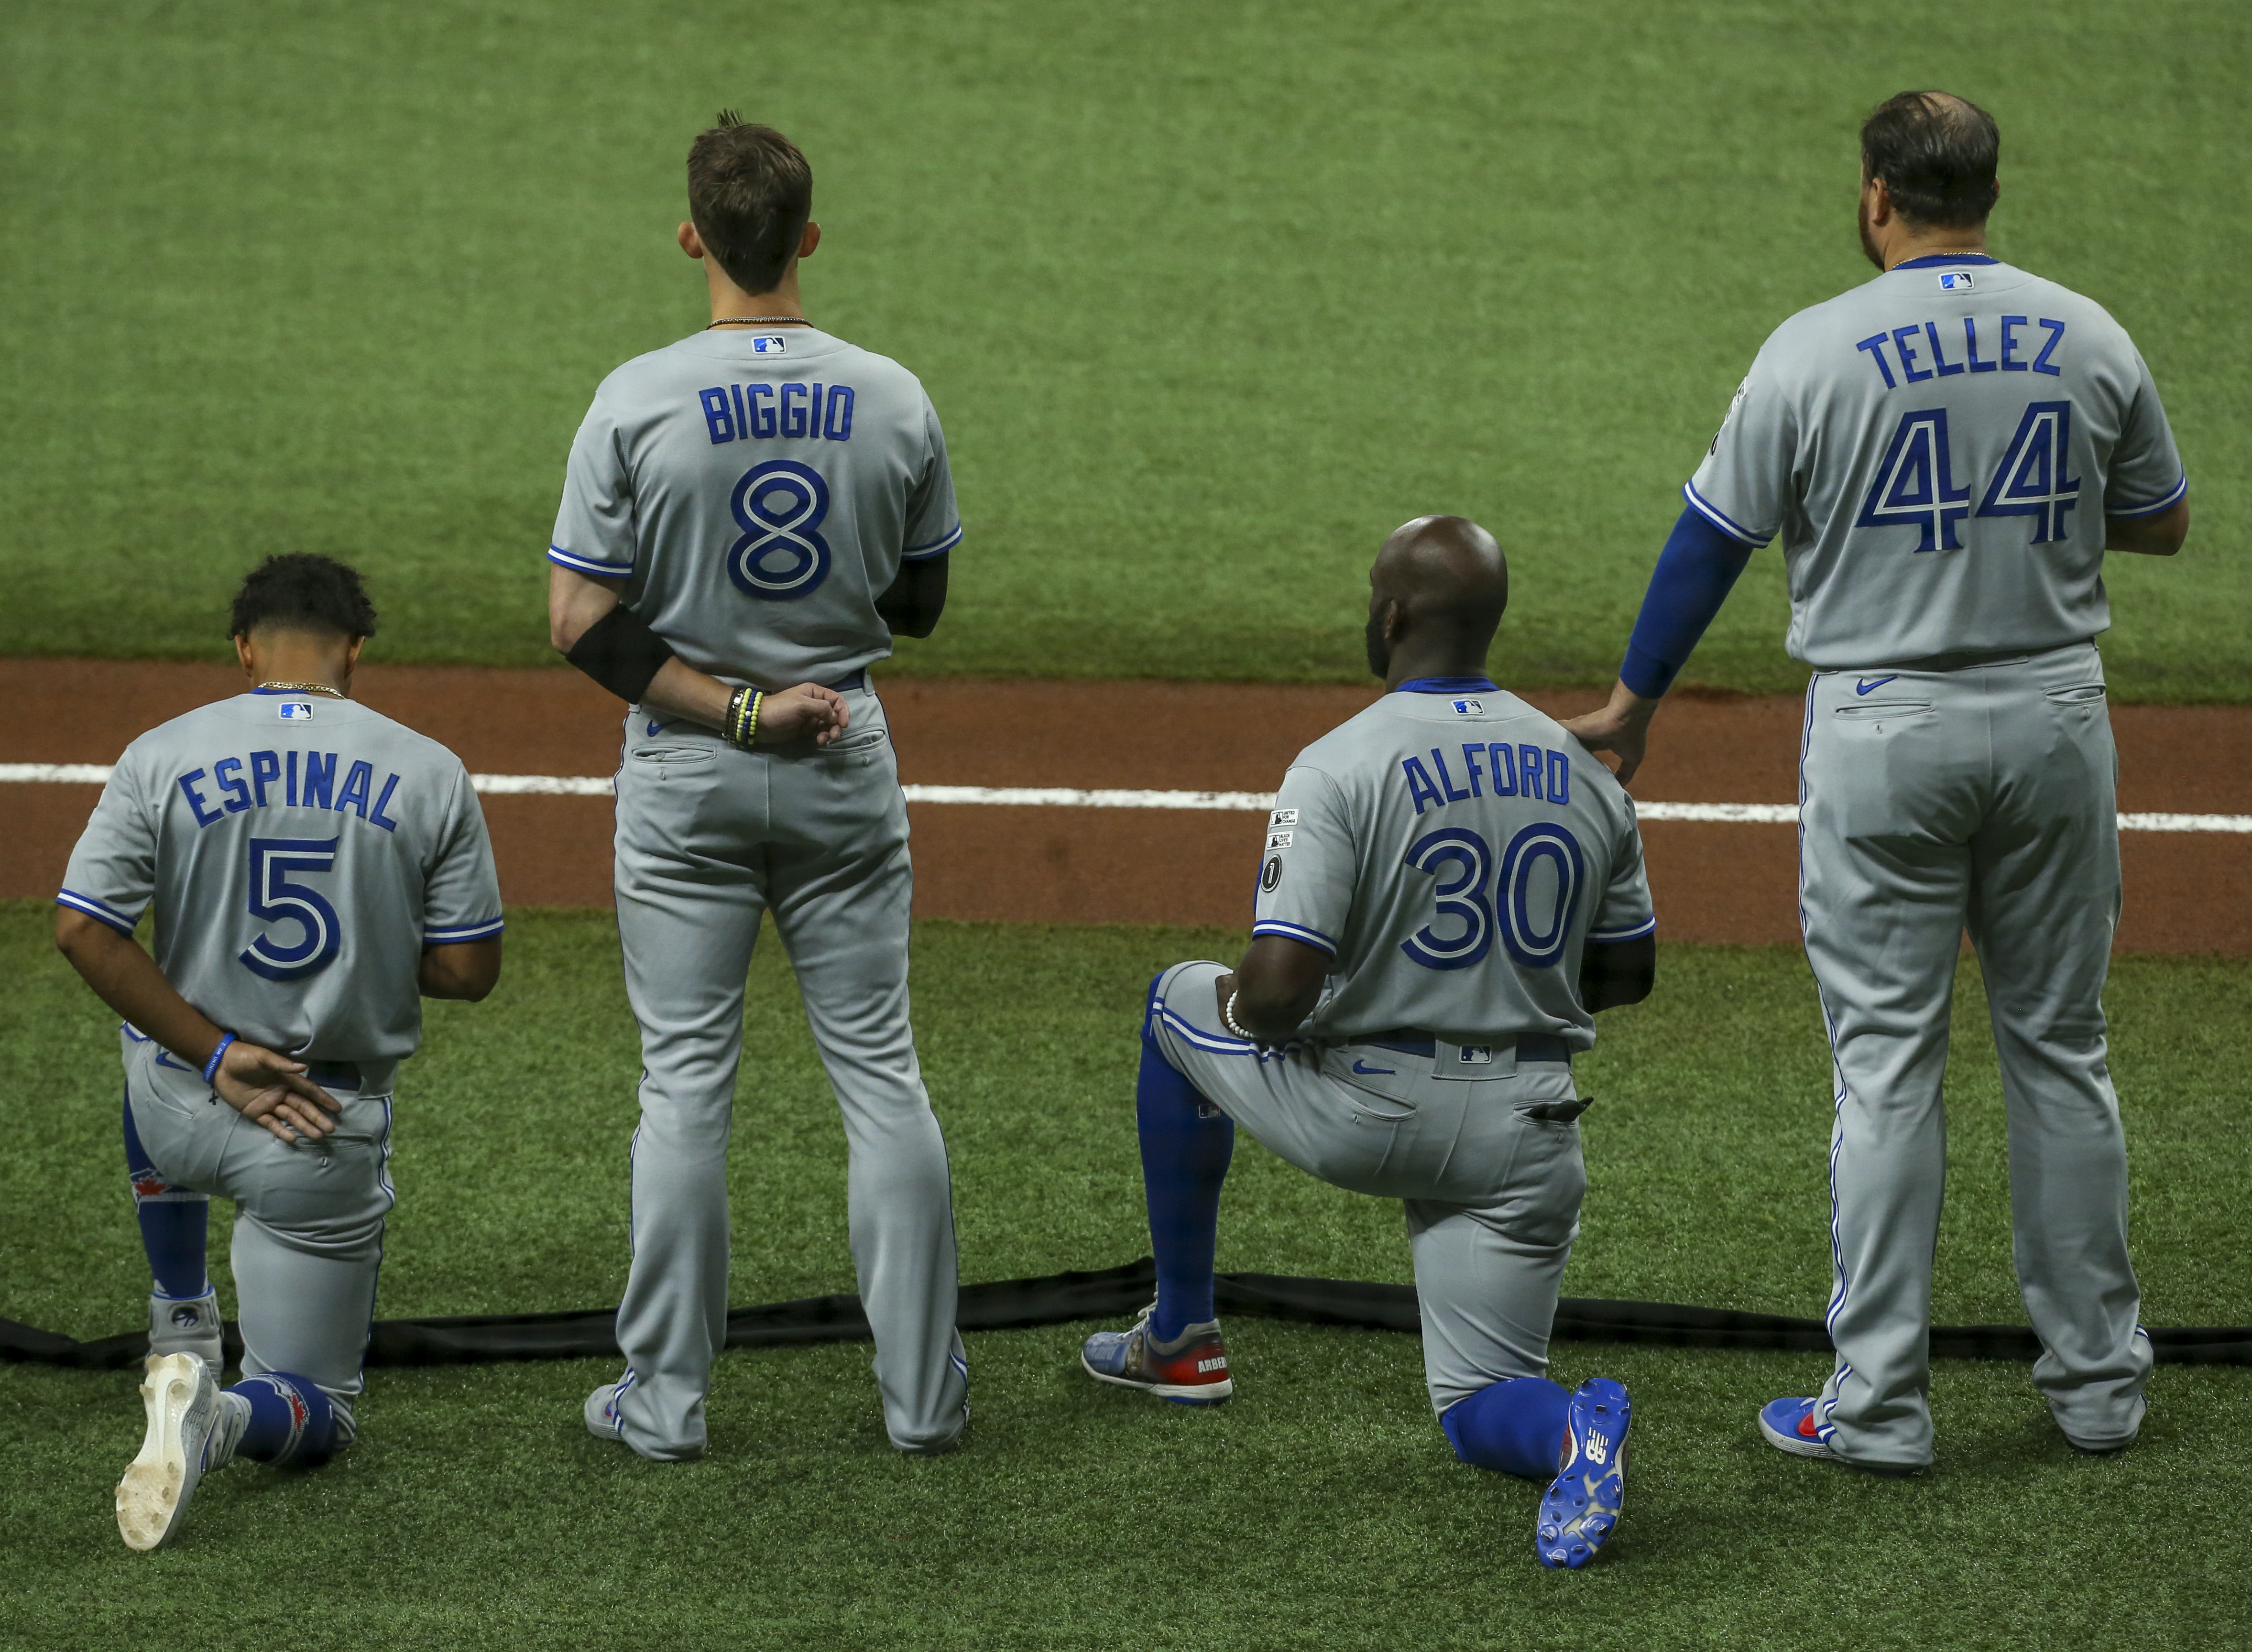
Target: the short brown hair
(1936, 154)
(750, 193)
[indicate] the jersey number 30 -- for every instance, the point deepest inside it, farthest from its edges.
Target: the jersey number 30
(276, 898)
(1534, 893)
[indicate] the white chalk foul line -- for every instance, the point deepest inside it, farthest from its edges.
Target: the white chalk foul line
(1070, 797)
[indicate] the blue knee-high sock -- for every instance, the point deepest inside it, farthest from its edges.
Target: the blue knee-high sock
(172, 1229)
(292, 1422)
(1186, 1144)
(1514, 1428)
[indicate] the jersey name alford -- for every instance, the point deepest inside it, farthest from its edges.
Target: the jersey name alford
(1456, 881)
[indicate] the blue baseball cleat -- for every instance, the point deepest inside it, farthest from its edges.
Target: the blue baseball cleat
(1789, 1426)
(1581, 1509)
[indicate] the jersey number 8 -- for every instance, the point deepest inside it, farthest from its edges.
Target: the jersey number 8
(1542, 869)
(779, 505)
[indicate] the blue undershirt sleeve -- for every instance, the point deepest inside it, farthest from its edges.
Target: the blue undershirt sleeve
(1694, 574)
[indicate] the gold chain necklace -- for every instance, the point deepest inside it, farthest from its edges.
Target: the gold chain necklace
(302, 688)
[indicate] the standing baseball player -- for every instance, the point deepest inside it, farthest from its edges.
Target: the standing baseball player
(313, 867)
(1947, 453)
(759, 505)
(1451, 887)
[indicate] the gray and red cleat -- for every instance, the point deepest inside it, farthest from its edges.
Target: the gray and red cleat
(1192, 1370)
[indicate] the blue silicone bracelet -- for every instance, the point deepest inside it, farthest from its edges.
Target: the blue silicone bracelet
(211, 1067)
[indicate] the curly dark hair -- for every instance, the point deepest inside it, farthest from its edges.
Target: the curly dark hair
(302, 592)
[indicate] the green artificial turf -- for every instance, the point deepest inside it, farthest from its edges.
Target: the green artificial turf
(1210, 297)
(1322, 1509)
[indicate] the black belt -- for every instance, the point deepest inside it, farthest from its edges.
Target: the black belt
(1531, 1046)
(334, 1075)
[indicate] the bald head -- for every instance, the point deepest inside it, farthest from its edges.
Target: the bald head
(1435, 597)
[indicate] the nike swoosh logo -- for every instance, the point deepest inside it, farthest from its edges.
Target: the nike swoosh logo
(1358, 1067)
(654, 724)
(1868, 683)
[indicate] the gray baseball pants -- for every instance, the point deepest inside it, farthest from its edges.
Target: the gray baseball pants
(307, 1238)
(1933, 802)
(1487, 1170)
(709, 837)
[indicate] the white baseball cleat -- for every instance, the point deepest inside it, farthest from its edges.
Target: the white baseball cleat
(186, 1422)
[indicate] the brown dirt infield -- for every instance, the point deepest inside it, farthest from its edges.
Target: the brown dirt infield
(2185, 893)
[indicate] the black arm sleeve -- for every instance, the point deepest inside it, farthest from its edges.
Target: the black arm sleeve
(916, 598)
(621, 653)
(1618, 972)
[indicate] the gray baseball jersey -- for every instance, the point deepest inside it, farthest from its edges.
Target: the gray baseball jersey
(757, 492)
(1938, 449)
(1453, 850)
(300, 853)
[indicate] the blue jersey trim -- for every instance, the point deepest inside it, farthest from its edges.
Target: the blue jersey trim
(1719, 517)
(1636, 933)
(462, 932)
(1202, 1040)
(943, 543)
(1940, 260)
(95, 909)
(2173, 496)
(1294, 932)
(1448, 686)
(557, 554)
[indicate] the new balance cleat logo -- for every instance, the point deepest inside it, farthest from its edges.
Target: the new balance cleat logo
(1598, 1448)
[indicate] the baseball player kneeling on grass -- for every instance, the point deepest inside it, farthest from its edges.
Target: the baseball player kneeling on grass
(1450, 888)
(313, 867)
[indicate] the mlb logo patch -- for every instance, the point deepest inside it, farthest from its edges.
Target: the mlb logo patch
(1955, 281)
(1278, 840)
(1469, 708)
(770, 344)
(1283, 817)
(295, 711)
(1475, 1055)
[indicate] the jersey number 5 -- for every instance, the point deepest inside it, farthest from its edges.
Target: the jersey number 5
(1541, 872)
(275, 898)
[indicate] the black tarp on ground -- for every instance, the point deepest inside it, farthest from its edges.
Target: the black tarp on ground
(1009, 1304)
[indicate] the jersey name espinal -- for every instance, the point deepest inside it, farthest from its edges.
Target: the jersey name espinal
(1938, 449)
(294, 887)
(753, 514)
(1455, 856)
